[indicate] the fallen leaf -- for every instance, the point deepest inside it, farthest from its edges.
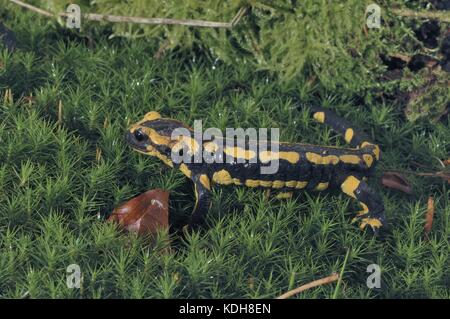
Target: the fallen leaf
(429, 216)
(446, 162)
(396, 181)
(30, 99)
(144, 214)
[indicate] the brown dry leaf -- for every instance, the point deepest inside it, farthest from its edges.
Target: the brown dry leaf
(429, 216)
(396, 181)
(144, 214)
(446, 162)
(30, 99)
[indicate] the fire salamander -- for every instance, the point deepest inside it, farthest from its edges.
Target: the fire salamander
(301, 166)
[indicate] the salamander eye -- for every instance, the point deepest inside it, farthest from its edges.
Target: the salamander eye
(139, 136)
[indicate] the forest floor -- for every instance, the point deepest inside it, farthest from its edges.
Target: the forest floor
(64, 166)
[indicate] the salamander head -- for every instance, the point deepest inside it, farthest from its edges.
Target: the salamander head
(152, 136)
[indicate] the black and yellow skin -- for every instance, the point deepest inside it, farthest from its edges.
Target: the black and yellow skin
(301, 166)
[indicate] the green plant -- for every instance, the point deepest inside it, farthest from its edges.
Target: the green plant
(56, 190)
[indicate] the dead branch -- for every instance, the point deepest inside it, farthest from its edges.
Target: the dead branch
(313, 284)
(441, 16)
(139, 20)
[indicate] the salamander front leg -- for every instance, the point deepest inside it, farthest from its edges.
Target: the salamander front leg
(202, 200)
(372, 213)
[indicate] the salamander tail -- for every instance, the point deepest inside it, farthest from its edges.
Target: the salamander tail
(352, 136)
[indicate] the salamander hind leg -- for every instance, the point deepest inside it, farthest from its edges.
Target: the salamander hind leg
(202, 200)
(372, 213)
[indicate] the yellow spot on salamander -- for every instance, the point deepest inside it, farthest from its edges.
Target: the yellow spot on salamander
(330, 159)
(252, 183)
(292, 157)
(322, 160)
(368, 159)
(278, 184)
(322, 186)
(350, 159)
(365, 209)
(222, 177)
(150, 116)
(133, 128)
(185, 170)
(205, 181)
(265, 183)
(238, 152)
(211, 147)
(376, 150)
(319, 117)
(314, 158)
(165, 159)
(301, 185)
(349, 135)
(188, 141)
(372, 222)
(236, 181)
(291, 184)
(349, 186)
(257, 183)
(155, 137)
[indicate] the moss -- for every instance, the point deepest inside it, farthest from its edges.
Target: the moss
(55, 189)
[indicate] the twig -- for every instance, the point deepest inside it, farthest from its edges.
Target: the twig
(441, 174)
(140, 20)
(238, 16)
(33, 8)
(313, 284)
(442, 16)
(60, 113)
(429, 217)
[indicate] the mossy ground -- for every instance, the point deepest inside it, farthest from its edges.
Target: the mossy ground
(61, 174)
